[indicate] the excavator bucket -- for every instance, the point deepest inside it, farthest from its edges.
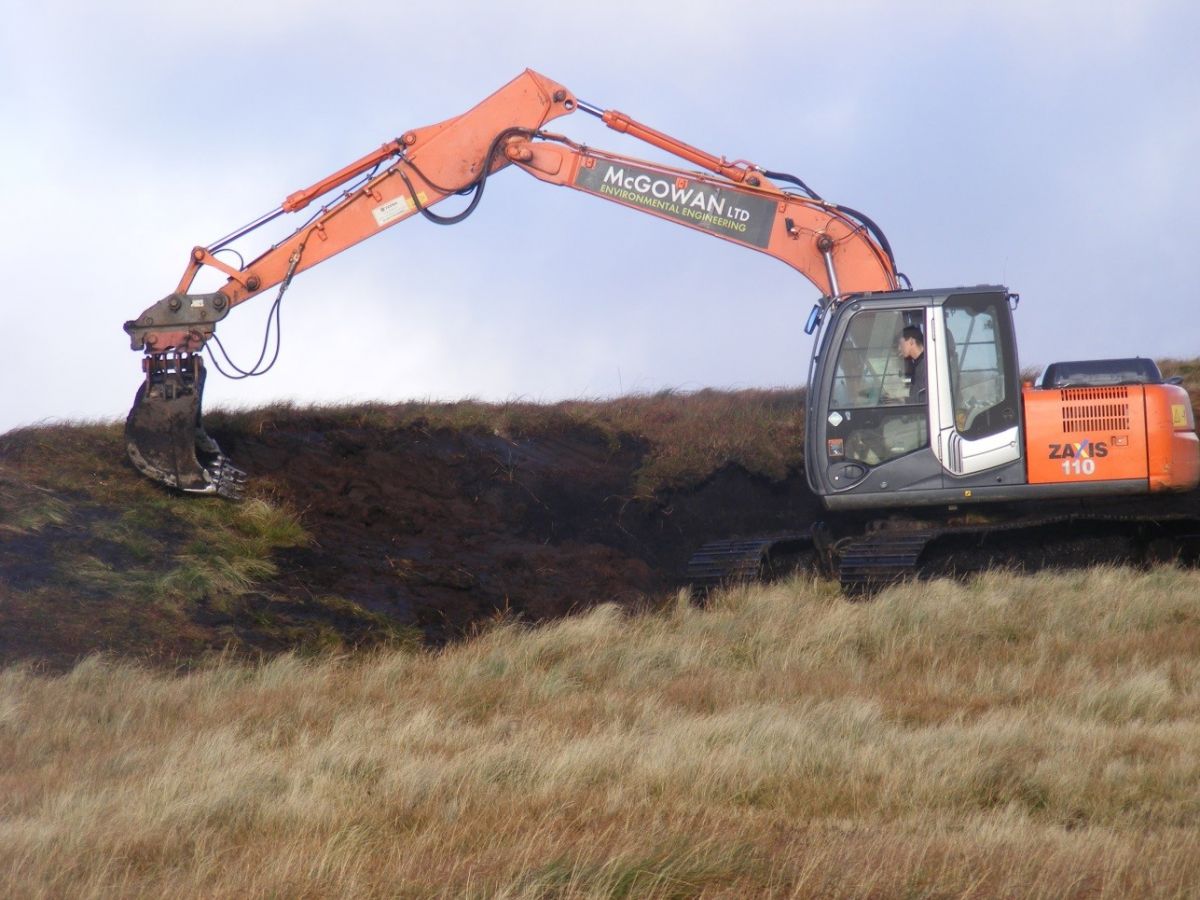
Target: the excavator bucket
(164, 437)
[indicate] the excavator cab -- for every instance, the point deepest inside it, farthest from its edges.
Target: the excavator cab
(878, 437)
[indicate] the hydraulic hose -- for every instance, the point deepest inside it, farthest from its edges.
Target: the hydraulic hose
(475, 187)
(792, 179)
(871, 227)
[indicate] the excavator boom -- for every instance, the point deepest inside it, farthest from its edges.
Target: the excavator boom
(839, 251)
(826, 245)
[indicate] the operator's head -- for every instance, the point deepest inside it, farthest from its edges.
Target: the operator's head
(912, 343)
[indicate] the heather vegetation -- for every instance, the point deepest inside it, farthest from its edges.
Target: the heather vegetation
(1011, 736)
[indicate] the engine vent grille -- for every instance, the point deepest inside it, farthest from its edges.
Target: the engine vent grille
(1095, 409)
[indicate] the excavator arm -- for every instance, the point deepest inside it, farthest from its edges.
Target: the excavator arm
(423, 167)
(838, 250)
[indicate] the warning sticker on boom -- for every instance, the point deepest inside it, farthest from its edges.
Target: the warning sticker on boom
(389, 212)
(725, 212)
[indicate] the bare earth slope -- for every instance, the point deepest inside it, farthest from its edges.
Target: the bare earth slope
(380, 524)
(441, 527)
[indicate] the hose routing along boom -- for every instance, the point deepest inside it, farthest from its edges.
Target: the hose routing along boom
(840, 253)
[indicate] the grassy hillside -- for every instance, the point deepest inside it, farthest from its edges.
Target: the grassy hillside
(1013, 736)
(93, 557)
(271, 714)
(380, 524)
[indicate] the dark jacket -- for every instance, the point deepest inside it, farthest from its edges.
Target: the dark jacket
(920, 381)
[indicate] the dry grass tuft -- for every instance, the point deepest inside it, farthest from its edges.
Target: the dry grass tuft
(1016, 736)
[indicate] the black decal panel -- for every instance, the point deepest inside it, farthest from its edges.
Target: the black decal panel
(725, 212)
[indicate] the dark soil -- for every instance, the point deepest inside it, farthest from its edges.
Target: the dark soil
(442, 529)
(415, 531)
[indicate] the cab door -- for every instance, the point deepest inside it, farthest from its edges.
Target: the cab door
(976, 409)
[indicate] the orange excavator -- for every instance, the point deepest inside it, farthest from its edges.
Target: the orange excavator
(948, 429)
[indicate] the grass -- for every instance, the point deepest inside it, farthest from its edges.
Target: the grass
(219, 552)
(110, 560)
(1013, 736)
(232, 550)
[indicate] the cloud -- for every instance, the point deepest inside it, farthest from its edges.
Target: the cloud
(1045, 144)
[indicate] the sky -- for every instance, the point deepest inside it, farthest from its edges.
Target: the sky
(1048, 146)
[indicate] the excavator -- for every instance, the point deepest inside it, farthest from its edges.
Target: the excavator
(948, 443)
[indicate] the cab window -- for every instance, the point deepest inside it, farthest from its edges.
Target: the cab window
(873, 416)
(981, 363)
(869, 370)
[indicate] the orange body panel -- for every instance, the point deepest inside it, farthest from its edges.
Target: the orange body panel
(1173, 447)
(1122, 432)
(1085, 434)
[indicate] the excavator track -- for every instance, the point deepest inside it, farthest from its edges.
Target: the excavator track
(891, 552)
(739, 560)
(880, 553)
(876, 560)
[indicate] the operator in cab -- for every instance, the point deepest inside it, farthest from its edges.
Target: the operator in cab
(911, 347)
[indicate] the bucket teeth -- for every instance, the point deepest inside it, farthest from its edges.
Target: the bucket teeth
(226, 479)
